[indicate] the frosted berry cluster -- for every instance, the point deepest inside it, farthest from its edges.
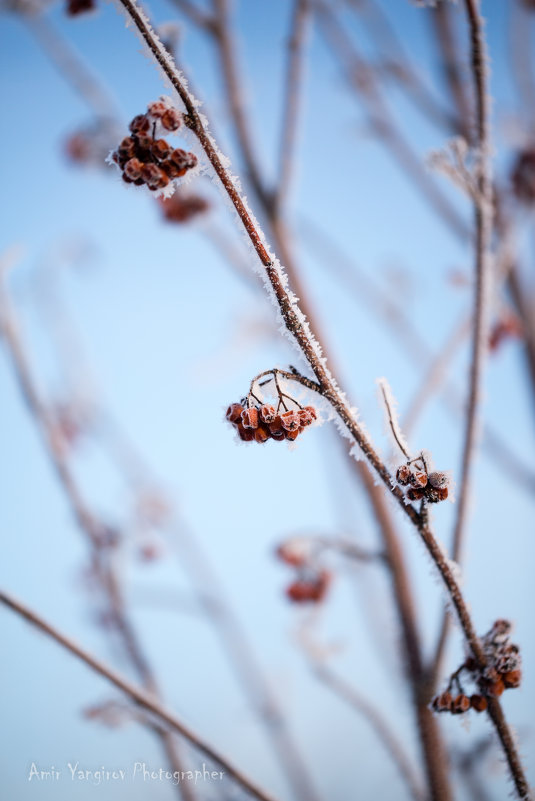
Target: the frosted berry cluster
(145, 157)
(260, 422)
(421, 484)
(503, 672)
(312, 581)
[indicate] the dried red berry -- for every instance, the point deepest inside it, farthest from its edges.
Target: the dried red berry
(157, 109)
(133, 168)
(268, 413)
(276, 427)
(443, 702)
(403, 475)
(512, 678)
(245, 434)
(261, 433)
(418, 479)
(435, 495)
(292, 435)
(152, 175)
(234, 411)
(460, 704)
(249, 418)
(171, 119)
(309, 590)
(496, 688)
(478, 702)
(291, 420)
(140, 124)
(160, 149)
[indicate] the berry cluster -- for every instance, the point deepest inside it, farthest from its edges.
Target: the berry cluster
(312, 581)
(503, 672)
(180, 208)
(523, 177)
(432, 487)
(261, 422)
(145, 159)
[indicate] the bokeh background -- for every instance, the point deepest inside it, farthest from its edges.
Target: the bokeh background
(158, 325)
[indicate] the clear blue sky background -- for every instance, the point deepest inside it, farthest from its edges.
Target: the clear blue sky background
(171, 335)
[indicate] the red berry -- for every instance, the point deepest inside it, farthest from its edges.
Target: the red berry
(478, 702)
(249, 418)
(268, 413)
(291, 421)
(234, 411)
(171, 119)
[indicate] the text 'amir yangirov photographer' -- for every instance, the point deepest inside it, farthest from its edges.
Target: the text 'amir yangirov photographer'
(139, 771)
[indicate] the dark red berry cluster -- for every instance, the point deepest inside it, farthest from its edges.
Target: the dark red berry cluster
(180, 208)
(263, 422)
(502, 673)
(523, 177)
(75, 7)
(312, 581)
(433, 487)
(145, 159)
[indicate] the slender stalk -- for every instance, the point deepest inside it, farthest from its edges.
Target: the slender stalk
(140, 697)
(298, 328)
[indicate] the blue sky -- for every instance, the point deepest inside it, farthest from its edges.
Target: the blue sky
(170, 336)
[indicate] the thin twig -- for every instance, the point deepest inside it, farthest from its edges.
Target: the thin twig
(140, 697)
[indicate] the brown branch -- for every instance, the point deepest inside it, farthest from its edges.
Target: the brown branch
(299, 330)
(140, 697)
